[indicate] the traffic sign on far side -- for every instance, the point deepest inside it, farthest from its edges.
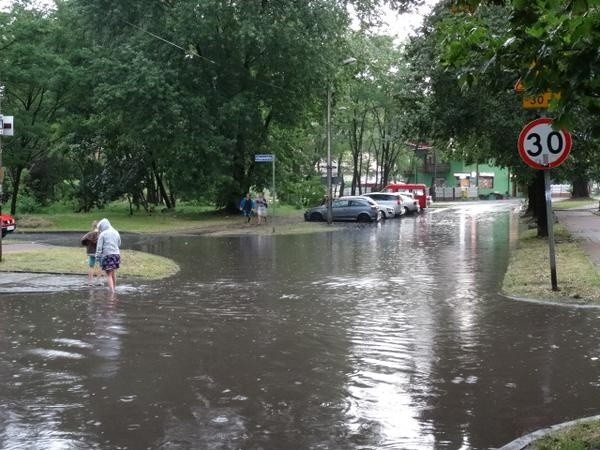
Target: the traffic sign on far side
(543, 147)
(264, 158)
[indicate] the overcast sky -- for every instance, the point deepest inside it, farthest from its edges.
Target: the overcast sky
(403, 25)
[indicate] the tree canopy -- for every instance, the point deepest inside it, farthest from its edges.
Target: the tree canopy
(165, 101)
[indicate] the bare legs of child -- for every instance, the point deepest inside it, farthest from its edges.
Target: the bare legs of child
(111, 278)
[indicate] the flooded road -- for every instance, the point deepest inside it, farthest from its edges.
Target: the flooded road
(387, 336)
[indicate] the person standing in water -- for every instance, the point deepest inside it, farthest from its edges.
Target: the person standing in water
(107, 248)
(90, 240)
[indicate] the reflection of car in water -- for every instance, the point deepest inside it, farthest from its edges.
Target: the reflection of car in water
(359, 208)
(8, 224)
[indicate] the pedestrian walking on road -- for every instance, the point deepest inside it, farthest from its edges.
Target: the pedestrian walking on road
(247, 206)
(90, 240)
(107, 248)
(261, 208)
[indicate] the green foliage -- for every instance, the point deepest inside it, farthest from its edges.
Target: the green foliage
(304, 193)
(27, 204)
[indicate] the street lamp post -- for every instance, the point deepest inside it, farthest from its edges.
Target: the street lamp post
(329, 189)
(345, 62)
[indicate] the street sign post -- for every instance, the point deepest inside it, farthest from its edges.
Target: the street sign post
(269, 158)
(264, 158)
(542, 147)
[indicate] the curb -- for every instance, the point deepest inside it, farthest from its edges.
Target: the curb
(523, 441)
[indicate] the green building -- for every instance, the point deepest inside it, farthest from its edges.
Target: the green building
(479, 180)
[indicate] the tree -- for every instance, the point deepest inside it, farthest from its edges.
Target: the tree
(37, 78)
(482, 53)
(246, 68)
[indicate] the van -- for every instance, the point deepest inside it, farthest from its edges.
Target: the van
(419, 191)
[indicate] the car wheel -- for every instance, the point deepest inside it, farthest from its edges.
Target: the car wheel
(316, 217)
(406, 211)
(4, 232)
(364, 218)
(382, 215)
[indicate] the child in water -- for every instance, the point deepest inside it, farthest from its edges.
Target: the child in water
(90, 240)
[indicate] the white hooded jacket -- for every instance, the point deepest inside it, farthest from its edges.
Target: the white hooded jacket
(109, 239)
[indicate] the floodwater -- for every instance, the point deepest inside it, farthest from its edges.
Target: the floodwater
(388, 336)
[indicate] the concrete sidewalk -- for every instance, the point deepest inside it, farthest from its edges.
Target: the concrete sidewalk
(23, 282)
(583, 224)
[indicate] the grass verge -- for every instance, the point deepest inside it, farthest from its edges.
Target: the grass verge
(578, 437)
(54, 259)
(287, 220)
(528, 273)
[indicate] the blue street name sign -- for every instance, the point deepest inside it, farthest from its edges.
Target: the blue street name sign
(264, 158)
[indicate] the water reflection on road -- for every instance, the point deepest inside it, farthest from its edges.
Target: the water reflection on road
(378, 336)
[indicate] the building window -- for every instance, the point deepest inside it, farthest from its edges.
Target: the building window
(486, 182)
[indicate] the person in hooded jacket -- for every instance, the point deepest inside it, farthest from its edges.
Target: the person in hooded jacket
(107, 248)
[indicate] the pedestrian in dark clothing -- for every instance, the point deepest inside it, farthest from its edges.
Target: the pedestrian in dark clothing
(247, 206)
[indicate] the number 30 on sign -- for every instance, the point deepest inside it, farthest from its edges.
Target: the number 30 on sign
(542, 147)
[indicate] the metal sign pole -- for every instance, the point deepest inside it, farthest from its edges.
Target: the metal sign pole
(550, 222)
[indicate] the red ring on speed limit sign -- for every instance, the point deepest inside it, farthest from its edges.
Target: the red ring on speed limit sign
(542, 147)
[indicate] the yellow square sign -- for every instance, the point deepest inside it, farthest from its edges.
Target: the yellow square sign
(539, 101)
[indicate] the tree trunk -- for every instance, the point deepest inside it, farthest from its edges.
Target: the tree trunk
(161, 187)
(581, 187)
(15, 175)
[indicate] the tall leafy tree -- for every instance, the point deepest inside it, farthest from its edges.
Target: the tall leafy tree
(228, 73)
(37, 79)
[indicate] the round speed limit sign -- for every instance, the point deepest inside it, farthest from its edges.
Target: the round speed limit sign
(542, 147)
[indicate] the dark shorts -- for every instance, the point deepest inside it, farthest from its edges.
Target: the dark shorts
(110, 262)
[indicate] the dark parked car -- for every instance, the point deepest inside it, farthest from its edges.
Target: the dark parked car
(8, 224)
(359, 208)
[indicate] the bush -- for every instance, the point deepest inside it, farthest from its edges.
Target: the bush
(27, 204)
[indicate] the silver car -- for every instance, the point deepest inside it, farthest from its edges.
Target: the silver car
(411, 204)
(359, 208)
(389, 199)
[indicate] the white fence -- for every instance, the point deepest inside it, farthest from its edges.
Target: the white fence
(455, 193)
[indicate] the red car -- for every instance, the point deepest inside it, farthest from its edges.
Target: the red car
(8, 224)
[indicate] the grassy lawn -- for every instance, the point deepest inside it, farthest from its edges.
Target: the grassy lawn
(575, 203)
(54, 259)
(579, 437)
(184, 218)
(528, 273)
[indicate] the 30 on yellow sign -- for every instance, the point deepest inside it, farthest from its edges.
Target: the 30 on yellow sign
(540, 101)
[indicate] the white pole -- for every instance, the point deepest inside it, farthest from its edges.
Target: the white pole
(329, 191)
(273, 210)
